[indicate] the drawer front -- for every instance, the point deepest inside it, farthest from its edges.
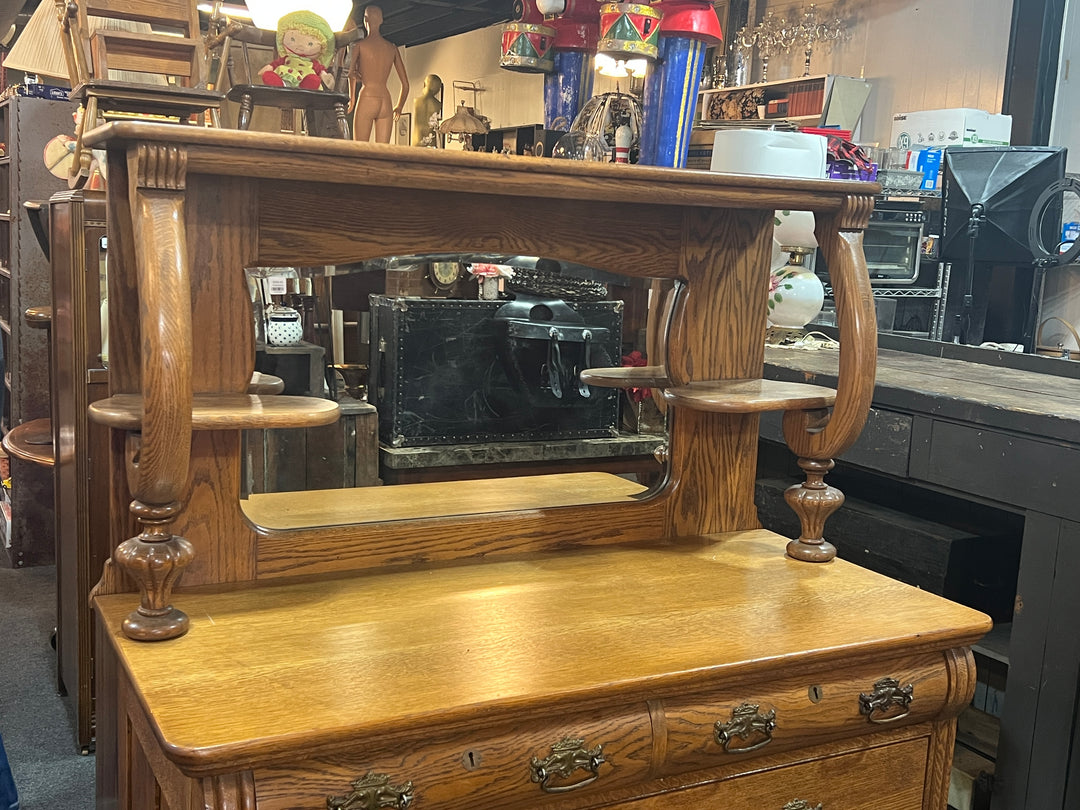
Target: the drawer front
(770, 716)
(506, 767)
(888, 777)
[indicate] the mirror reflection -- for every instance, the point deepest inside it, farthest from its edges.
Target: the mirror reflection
(449, 368)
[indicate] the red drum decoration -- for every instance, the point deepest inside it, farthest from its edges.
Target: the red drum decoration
(527, 48)
(695, 19)
(629, 29)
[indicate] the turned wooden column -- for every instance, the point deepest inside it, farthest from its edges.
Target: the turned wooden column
(817, 438)
(158, 456)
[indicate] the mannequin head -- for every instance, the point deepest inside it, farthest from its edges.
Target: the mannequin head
(373, 18)
(432, 85)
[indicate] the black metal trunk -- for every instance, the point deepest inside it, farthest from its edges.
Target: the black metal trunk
(449, 371)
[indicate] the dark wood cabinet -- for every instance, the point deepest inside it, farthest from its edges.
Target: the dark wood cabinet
(79, 377)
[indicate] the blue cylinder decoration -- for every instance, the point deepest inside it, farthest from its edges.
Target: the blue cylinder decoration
(670, 102)
(568, 87)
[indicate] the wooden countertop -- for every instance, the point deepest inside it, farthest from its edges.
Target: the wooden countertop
(279, 157)
(314, 665)
(980, 393)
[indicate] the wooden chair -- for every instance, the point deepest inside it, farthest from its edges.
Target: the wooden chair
(169, 64)
(235, 78)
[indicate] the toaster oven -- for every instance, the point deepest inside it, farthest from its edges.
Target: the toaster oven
(893, 242)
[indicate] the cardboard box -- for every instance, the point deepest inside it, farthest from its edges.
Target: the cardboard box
(953, 127)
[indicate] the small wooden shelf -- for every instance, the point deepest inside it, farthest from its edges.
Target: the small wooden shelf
(5, 271)
(5, 326)
(760, 85)
(750, 396)
(430, 499)
(224, 411)
(5, 160)
(626, 377)
(31, 441)
(5, 216)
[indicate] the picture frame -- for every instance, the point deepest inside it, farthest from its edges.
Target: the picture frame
(403, 130)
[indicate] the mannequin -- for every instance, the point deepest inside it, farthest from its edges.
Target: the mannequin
(372, 59)
(426, 105)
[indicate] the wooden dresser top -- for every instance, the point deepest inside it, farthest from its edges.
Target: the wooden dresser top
(312, 664)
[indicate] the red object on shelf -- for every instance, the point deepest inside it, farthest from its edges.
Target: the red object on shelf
(695, 19)
(828, 132)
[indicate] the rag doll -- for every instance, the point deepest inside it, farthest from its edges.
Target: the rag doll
(305, 45)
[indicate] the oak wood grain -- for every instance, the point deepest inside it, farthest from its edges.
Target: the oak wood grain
(717, 252)
(488, 767)
(165, 295)
(749, 396)
(331, 507)
(627, 377)
(840, 237)
(249, 154)
(840, 782)
(223, 411)
(506, 638)
(802, 719)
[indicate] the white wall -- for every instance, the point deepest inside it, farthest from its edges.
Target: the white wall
(921, 54)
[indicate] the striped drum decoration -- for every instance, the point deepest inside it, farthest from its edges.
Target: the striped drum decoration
(631, 29)
(527, 48)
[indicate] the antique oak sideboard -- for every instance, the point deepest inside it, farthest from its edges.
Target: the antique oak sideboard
(563, 640)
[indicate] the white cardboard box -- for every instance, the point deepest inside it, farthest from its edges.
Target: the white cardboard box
(952, 127)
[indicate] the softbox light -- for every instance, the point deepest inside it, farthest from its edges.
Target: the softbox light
(1002, 184)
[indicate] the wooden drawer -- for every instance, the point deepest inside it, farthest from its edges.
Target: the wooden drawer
(766, 717)
(488, 768)
(888, 777)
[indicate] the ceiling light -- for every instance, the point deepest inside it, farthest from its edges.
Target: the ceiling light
(226, 9)
(266, 13)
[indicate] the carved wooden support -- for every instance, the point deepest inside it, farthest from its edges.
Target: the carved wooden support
(158, 457)
(234, 791)
(817, 442)
(813, 501)
(155, 559)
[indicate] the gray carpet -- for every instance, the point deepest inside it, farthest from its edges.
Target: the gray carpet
(35, 723)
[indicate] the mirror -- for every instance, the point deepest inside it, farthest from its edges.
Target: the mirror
(450, 368)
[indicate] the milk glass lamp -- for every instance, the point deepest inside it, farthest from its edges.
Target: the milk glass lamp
(796, 294)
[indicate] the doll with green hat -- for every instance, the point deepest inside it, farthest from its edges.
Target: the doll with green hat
(305, 45)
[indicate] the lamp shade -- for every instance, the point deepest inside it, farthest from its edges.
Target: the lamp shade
(266, 13)
(38, 48)
(462, 122)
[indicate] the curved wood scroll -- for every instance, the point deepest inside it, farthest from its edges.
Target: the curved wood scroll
(158, 465)
(816, 444)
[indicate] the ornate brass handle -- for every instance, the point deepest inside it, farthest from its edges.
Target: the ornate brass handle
(373, 791)
(801, 804)
(887, 693)
(746, 721)
(567, 756)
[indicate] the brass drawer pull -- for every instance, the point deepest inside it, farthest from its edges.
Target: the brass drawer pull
(373, 791)
(887, 694)
(800, 804)
(746, 721)
(567, 756)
